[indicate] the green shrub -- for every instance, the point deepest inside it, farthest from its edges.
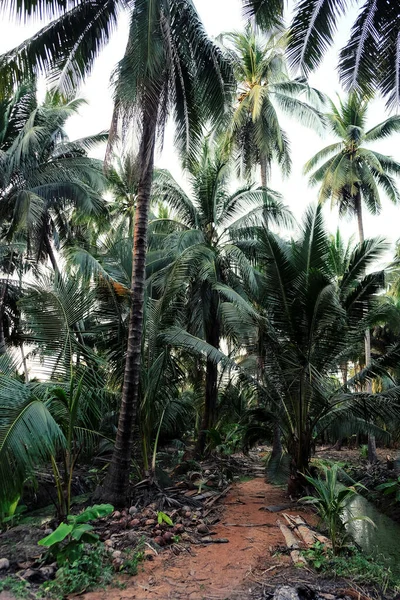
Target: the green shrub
(65, 543)
(91, 569)
(330, 500)
(353, 565)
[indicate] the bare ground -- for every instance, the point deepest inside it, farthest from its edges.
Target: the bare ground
(218, 570)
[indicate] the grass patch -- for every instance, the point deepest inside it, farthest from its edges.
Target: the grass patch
(17, 587)
(353, 564)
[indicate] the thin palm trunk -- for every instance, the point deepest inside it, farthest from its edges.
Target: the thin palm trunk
(344, 368)
(263, 171)
(24, 363)
(115, 488)
(372, 455)
(2, 338)
(3, 346)
(211, 391)
(277, 442)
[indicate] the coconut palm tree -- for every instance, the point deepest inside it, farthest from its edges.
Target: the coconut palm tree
(264, 88)
(353, 173)
(369, 60)
(47, 182)
(312, 321)
(205, 269)
(170, 67)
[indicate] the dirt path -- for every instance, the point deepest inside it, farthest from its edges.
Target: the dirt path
(216, 571)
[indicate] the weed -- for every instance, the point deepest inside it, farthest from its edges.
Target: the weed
(163, 518)
(10, 513)
(133, 558)
(91, 569)
(390, 488)
(17, 587)
(330, 501)
(354, 565)
(364, 451)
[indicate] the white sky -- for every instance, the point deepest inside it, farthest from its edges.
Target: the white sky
(219, 16)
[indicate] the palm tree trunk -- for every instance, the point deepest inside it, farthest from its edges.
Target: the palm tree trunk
(2, 338)
(372, 455)
(277, 442)
(115, 488)
(24, 363)
(3, 346)
(211, 392)
(263, 170)
(344, 368)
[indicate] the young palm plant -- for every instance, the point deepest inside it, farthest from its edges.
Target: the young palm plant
(331, 499)
(60, 419)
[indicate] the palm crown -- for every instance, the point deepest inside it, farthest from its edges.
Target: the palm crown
(263, 89)
(45, 179)
(353, 173)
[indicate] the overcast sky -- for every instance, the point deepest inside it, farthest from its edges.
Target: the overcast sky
(219, 16)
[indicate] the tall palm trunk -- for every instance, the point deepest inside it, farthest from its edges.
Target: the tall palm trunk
(211, 391)
(115, 488)
(372, 455)
(3, 346)
(2, 338)
(263, 170)
(277, 442)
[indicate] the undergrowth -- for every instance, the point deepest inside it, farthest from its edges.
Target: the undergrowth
(17, 587)
(92, 569)
(354, 565)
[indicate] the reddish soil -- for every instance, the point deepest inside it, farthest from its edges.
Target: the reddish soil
(217, 571)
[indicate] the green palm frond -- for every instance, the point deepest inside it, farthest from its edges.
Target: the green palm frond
(353, 174)
(384, 129)
(29, 435)
(66, 48)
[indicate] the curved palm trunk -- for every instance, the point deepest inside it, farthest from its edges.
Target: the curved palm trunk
(115, 488)
(372, 455)
(211, 392)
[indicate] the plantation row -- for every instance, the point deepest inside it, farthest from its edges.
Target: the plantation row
(136, 313)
